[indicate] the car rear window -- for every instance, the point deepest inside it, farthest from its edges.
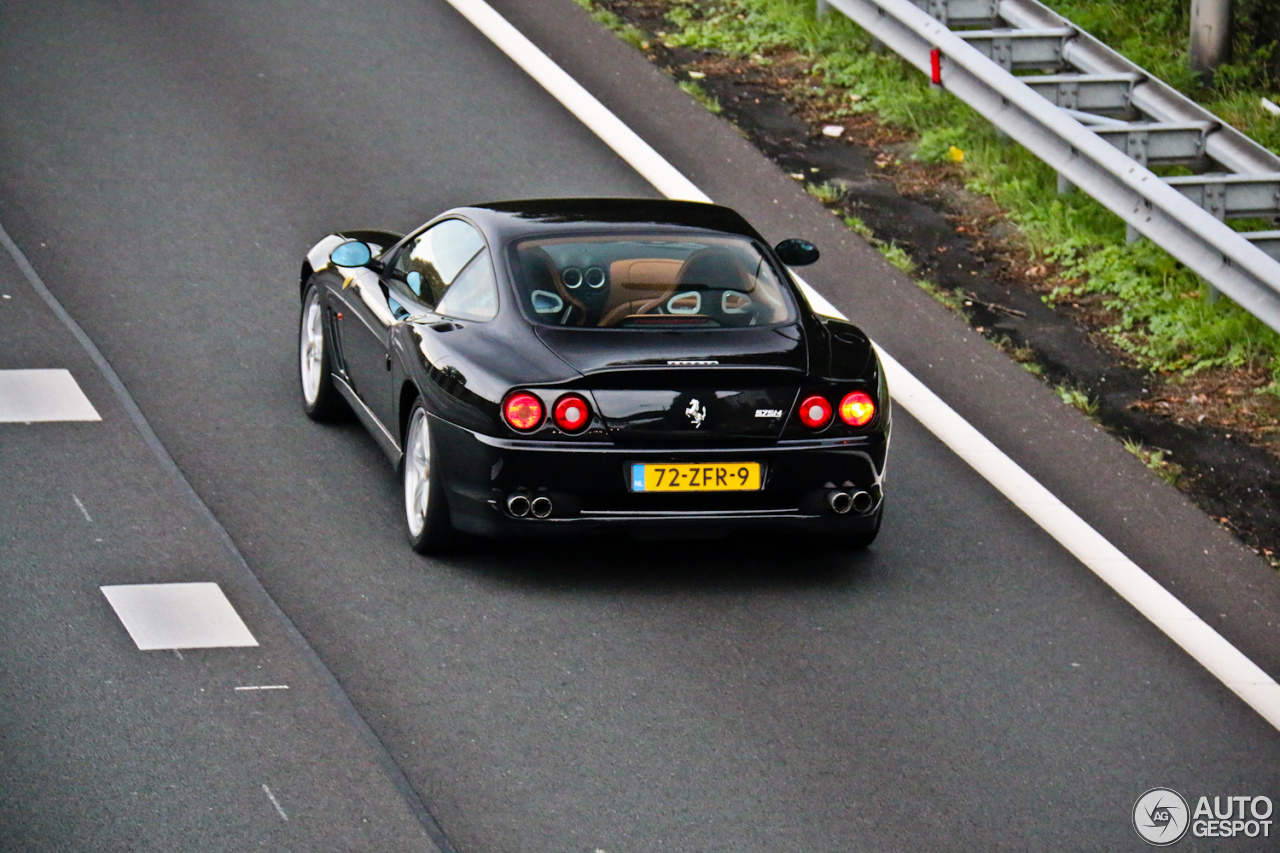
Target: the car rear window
(647, 282)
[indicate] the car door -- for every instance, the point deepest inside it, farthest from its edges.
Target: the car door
(444, 273)
(363, 322)
(411, 282)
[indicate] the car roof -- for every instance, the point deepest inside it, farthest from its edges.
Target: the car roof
(530, 216)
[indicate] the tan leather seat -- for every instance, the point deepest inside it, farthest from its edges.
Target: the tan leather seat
(715, 283)
(637, 286)
(716, 268)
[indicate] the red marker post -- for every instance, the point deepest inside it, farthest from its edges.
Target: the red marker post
(935, 67)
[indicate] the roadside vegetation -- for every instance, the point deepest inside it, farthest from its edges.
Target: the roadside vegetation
(699, 94)
(1209, 364)
(1158, 312)
(1154, 34)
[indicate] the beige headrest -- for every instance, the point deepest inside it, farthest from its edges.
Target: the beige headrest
(645, 273)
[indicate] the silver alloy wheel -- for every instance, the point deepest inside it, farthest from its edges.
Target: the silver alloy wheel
(311, 348)
(417, 473)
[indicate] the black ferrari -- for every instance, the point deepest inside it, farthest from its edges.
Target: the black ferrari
(576, 365)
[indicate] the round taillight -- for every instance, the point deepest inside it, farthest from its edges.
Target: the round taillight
(857, 409)
(523, 411)
(815, 411)
(572, 413)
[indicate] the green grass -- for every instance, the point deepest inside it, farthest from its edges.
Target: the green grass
(1079, 399)
(1154, 459)
(630, 34)
(829, 193)
(1165, 319)
(857, 226)
(1024, 356)
(1154, 34)
(711, 102)
(893, 253)
(896, 255)
(949, 298)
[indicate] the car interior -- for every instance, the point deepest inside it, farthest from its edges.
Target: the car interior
(638, 283)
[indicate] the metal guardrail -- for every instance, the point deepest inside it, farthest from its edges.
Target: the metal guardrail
(1100, 121)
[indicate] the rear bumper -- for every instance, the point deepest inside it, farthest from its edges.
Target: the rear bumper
(587, 485)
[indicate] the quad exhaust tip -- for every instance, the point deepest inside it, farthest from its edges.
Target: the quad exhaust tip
(843, 502)
(521, 505)
(518, 504)
(862, 502)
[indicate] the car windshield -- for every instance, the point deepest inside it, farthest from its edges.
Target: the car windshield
(647, 282)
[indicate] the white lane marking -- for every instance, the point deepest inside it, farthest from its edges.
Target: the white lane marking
(31, 396)
(1241, 675)
(265, 687)
(569, 92)
(275, 802)
(1170, 615)
(83, 511)
(178, 616)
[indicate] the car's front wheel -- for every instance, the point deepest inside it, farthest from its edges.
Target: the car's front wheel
(426, 512)
(320, 398)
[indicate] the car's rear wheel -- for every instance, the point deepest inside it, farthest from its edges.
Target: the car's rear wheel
(426, 512)
(320, 399)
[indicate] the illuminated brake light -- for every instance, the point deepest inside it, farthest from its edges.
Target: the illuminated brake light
(815, 411)
(523, 411)
(857, 409)
(572, 413)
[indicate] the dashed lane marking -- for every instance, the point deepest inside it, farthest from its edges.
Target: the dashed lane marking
(178, 616)
(32, 396)
(83, 511)
(272, 797)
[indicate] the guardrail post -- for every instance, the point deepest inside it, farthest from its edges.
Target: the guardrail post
(1064, 185)
(1210, 36)
(824, 8)
(1090, 119)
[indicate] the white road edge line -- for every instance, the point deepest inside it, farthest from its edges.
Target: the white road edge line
(1241, 675)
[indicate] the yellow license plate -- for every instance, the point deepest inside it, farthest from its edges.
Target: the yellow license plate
(683, 477)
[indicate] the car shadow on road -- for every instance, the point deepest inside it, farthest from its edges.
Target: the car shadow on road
(619, 563)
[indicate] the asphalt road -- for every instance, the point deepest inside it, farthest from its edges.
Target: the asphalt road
(964, 685)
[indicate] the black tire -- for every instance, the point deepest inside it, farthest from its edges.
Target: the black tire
(426, 511)
(320, 398)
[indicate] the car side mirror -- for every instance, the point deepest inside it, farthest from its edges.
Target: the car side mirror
(352, 253)
(796, 252)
